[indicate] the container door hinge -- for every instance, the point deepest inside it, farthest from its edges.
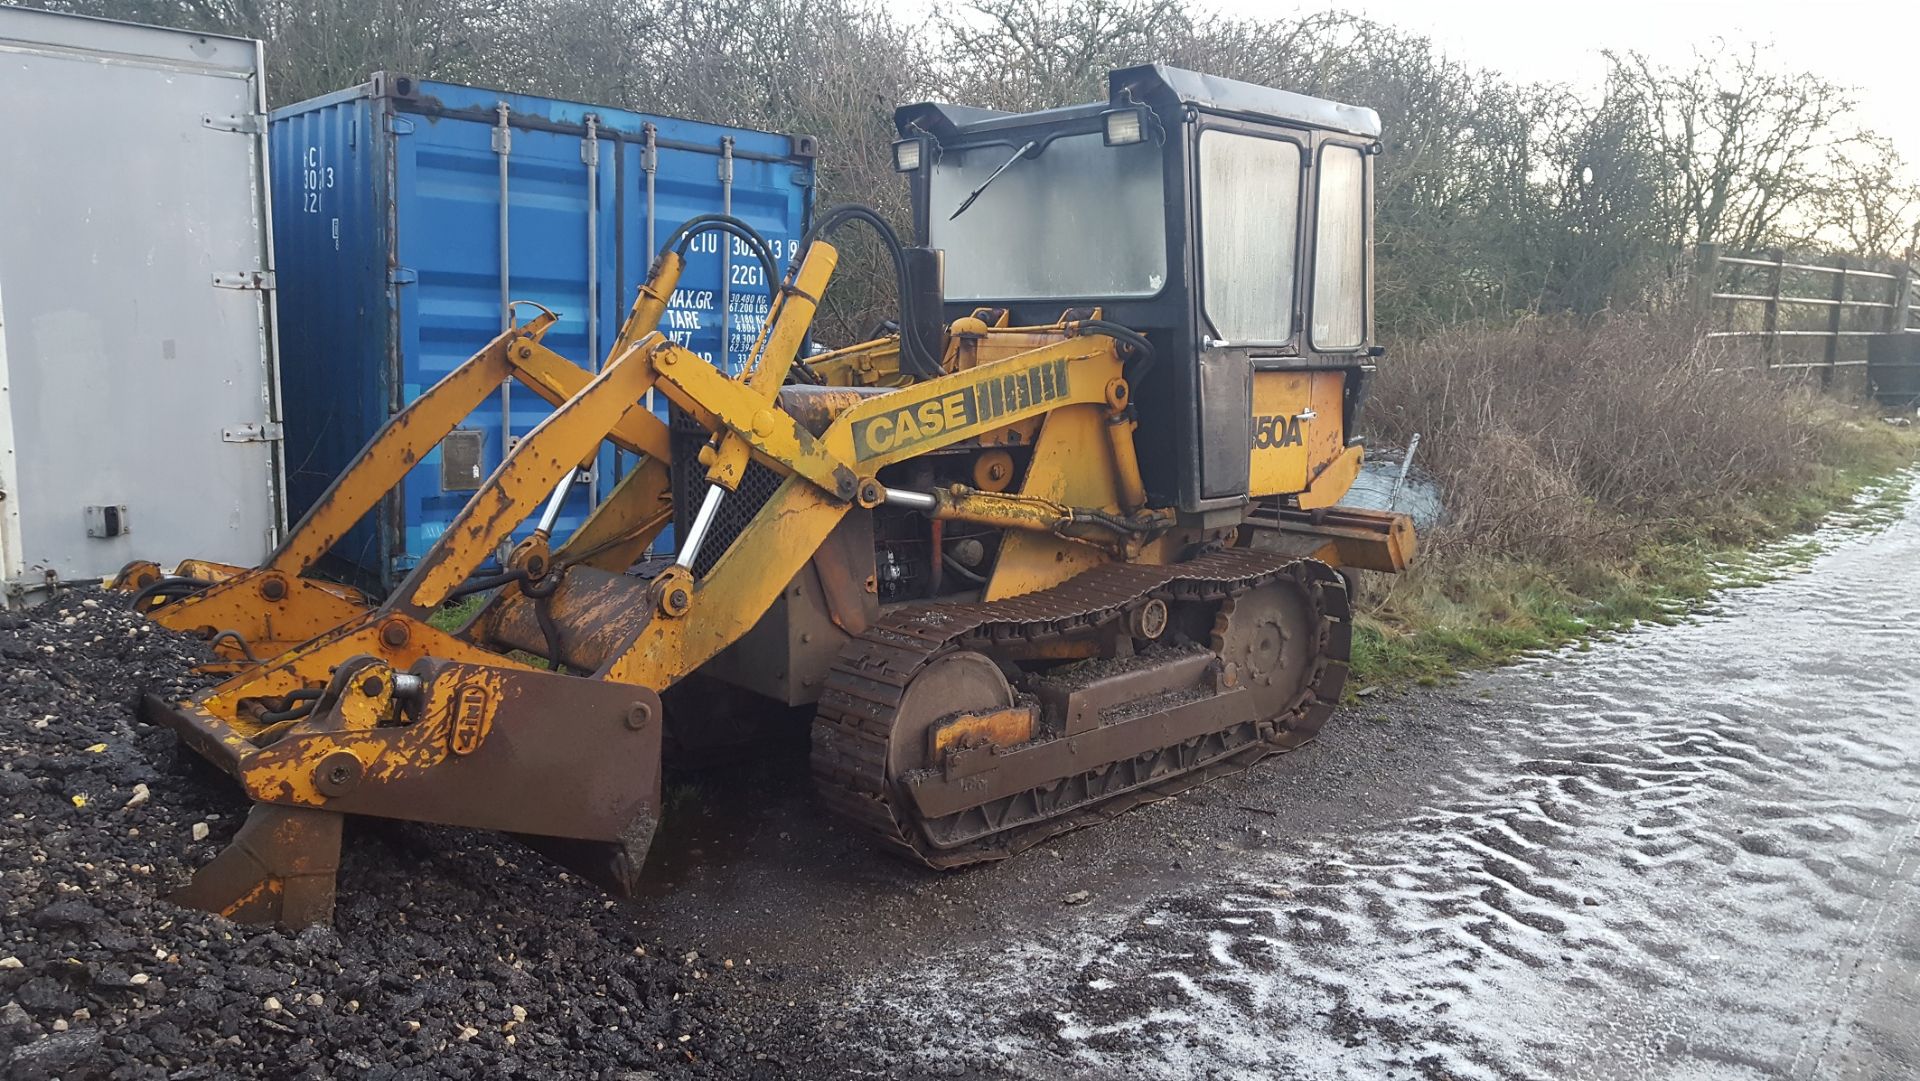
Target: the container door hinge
(401, 275)
(246, 279)
(502, 131)
(590, 146)
(244, 123)
(264, 432)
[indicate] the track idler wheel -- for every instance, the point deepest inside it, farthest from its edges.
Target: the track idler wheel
(278, 869)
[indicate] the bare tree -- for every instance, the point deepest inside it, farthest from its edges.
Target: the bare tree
(1030, 54)
(1742, 141)
(1602, 166)
(1868, 205)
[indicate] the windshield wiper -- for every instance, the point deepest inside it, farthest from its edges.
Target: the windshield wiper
(1017, 155)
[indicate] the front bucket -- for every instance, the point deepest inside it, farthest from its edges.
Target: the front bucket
(483, 746)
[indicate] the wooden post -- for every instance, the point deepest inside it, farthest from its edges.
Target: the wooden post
(1835, 322)
(1706, 272)
(1898, 317)
(1771, 324)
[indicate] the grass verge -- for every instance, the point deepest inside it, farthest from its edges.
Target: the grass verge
(1554, 536)
(1453, 613)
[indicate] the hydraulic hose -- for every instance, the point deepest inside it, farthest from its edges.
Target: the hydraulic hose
(536, 590)
(956, 567)
(1133, 339)
(239, 642)
(170, 588)
(725, 223)
(480, 584)
(913, 355)
(299, 704)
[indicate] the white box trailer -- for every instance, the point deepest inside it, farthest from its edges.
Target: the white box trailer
(139, 398)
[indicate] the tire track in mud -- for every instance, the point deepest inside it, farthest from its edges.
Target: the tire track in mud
(1835, 1041)
(1688, 853)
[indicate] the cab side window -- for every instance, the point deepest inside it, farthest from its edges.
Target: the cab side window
(1340, 251)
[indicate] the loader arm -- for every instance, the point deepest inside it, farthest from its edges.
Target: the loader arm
(385, 714)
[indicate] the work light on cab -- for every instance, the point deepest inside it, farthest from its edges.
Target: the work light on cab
(908, 154)
(1124, 127)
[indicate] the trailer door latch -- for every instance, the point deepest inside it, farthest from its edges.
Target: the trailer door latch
(106, 520)
(246, 279)
(244, 123)
(265, 432)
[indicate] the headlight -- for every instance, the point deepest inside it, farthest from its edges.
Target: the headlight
(908, 154)
(1124, 127)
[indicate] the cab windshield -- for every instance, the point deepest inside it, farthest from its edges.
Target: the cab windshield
(1077, 220)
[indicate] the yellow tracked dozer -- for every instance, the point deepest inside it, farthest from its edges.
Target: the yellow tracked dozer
(1066, 542)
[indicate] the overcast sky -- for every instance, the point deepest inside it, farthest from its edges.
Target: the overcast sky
(1872, 46)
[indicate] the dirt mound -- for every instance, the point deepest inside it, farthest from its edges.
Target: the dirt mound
(453, 954)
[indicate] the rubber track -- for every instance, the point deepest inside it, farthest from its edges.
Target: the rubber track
(865, 685)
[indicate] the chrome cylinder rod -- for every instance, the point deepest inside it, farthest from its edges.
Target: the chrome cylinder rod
(702, 522)
(559, 496)
(901, 497)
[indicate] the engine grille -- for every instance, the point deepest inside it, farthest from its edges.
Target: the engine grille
(757, 485)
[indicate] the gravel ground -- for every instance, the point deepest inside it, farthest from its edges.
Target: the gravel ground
(454, 954)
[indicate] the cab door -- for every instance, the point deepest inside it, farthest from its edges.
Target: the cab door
(1249, 195)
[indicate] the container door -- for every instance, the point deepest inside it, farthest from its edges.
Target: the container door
(335, 304)
(135, 267)
(449, 190)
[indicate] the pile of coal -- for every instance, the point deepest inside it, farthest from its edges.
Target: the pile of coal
(453, 953)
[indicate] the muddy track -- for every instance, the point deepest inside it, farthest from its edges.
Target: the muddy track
(860, 702)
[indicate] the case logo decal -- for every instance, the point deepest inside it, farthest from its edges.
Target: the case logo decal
(976, 406)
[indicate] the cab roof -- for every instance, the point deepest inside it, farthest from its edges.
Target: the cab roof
(1166, 88)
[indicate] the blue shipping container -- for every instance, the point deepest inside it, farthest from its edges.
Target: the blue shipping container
(393, 267)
